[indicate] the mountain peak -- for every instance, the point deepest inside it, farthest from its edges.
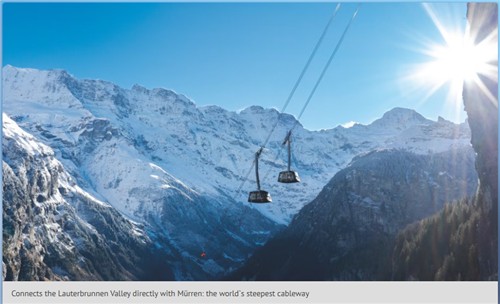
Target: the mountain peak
(400, 118)
(256, 109)
(253, 109)
(140, 89)
(398, 112)
(10, 71)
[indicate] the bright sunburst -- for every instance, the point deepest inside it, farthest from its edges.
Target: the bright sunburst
(458, 59)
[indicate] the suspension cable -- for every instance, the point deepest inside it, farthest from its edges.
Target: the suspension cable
(339, 43)
(292, 92)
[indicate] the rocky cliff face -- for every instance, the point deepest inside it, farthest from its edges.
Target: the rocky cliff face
(347, 232)
(481, 105)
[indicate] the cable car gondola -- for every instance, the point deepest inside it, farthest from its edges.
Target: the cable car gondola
(259, 196)
(288, 176)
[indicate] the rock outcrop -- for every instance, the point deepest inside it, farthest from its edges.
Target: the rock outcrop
(481, 104)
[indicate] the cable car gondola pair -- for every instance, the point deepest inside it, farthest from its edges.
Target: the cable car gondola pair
(289, 176)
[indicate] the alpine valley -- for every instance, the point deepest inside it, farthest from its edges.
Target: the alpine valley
(106, 183)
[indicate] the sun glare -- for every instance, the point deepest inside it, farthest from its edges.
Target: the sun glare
(458, 60)
(454, 61)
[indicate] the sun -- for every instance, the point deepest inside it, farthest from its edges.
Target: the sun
(455, 62)
(457, 59)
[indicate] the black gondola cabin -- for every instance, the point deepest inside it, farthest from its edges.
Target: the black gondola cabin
(259, 197)
(288, 177)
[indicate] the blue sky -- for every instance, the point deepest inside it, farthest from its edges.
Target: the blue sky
(239, 54)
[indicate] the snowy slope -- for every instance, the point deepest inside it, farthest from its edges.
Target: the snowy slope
(54, 230)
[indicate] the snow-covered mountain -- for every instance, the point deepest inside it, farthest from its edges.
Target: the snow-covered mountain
(164, 162)
(208, 148)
